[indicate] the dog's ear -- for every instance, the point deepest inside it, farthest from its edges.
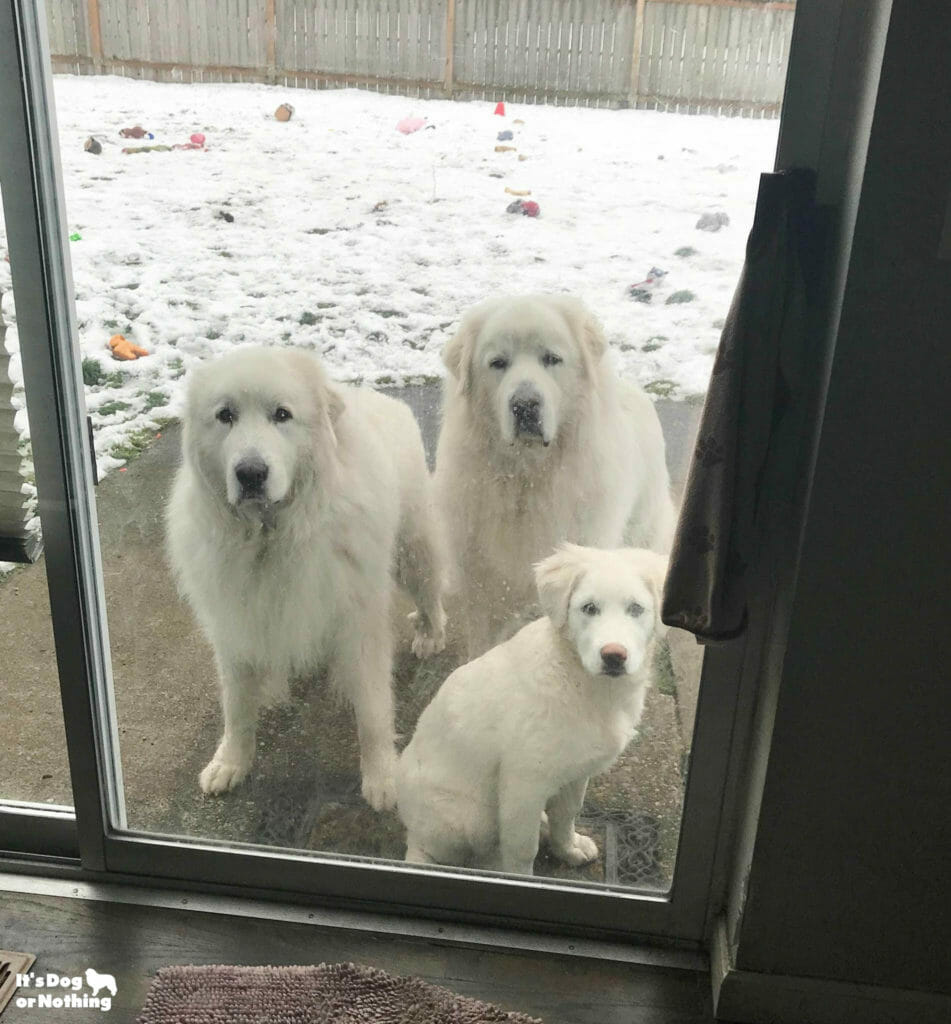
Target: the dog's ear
(330, 401)
(556, 578)
(654, 576)
(332, 411)
(586, 329)
(335, 404)
(457, 354)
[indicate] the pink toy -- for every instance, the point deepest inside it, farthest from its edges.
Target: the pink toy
(410, 124)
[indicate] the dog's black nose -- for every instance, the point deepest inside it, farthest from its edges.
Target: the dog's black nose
(251, 474)
(526, 408)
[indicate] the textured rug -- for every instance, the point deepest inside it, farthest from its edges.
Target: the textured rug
(328, 994)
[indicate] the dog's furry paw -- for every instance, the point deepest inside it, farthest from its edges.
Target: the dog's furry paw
(583, 850)
(220, 775)
(379, 790)
(429, 637)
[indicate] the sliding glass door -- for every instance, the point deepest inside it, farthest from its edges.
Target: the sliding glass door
(156, 230)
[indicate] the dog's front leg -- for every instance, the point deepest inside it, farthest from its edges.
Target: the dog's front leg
(240, 700)
(566, 844)
(361, 669)
(520, 809)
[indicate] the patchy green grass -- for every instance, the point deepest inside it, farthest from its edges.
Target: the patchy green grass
(385, 380)
(177, 366)
(133, 445)
(115, 379)
(685, 251)
(155, 399)
(110, 408)
(679, 297)
(308, 319)
(663, 388)
(92, 372)
(654, 342)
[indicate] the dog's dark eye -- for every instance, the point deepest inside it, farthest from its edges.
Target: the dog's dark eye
(590, 608)
(282, 415)
(499, 363)
(550, 359)
(634, 609)
(224, 415)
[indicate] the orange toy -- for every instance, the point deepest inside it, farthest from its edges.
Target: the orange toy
(122, 348)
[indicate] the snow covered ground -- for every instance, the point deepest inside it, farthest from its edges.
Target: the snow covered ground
(367, 245)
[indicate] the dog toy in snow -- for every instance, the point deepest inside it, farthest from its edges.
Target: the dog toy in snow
(640, 292)
(410, 124)
(195, 141)
(122, 348)
(712, 221)
(527, 209)
(93, 146)
(138, 132)
(506, 135)
(500, 108)
(284, 112)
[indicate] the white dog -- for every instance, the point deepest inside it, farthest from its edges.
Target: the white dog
(295, 501)
(519, 730)
(97, 982)
(541, 443)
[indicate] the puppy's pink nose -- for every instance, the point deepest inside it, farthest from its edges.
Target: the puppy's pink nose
(613, 657)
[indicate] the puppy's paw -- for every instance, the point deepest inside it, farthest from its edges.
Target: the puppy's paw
(430, 636)
(221, 775)
(583, 850)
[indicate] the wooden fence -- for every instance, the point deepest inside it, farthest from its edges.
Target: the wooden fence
(697, 56)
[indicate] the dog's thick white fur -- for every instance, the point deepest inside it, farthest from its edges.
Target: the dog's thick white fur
(295, 502)
(541, 443)
(519, 730)
(97, 982)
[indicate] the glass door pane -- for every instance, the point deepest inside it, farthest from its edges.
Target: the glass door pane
(274, 305)
(33, 764)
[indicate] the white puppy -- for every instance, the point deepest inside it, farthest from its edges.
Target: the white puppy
(519, 730)
(295, 501)
(541, 443)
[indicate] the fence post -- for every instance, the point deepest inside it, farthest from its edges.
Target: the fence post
(270, 35)
(95, 33)
(636, 49)
(449, 79)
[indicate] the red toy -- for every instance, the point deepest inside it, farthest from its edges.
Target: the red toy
(500, 108)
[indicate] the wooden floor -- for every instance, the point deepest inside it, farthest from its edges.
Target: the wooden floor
(132, 942)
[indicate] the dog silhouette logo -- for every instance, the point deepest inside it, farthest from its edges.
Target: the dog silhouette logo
(97, 982)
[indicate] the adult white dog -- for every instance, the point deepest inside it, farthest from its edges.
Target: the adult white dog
(295, 500)
(520, 730)
(541, 443)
